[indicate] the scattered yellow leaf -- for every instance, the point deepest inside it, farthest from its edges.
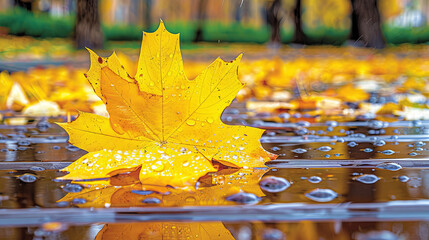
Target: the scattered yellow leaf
(351, 94)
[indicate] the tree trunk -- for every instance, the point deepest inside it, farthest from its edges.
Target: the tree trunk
(202, 6)
(366, 23)
(274, 19)
(87, 31)
(299, 35)
(147, 14)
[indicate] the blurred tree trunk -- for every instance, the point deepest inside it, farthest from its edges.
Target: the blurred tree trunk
(366, 23)
(147, 13)
(25, 4)
(274, 19)
(299, 35)
(201, 16)
(87, 31)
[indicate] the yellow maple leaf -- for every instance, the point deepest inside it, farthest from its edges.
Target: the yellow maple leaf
(160, 121)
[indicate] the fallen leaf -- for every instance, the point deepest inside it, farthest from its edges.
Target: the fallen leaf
(161, 121)
(352, 94)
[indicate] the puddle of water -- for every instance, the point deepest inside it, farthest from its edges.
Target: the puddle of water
(347, 185)
(314, 230)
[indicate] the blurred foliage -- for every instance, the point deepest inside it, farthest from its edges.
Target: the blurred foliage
(398, 35)
(22, 22)
(320, 81)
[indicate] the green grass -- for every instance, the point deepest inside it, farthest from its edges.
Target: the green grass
(326, 35)
(21, 22)
(398, 35)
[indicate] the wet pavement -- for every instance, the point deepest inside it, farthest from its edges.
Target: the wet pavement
(332, 180)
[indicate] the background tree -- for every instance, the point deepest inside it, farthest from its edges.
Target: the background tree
(274, 18)
(366, 23)
(299, 35)
(87, 31)
(201, 16)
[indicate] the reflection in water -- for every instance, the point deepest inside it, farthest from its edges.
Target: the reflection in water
(165, 230)
(300, 230)
(214, 189)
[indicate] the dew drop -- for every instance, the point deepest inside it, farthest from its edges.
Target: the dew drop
(72, 148)
(185, 163)
(321, 195)
(331, 123)
(183, 150)
(43, 126)
(314, 179)
(24, 142)
(299, 150)
(352, 144)
(303, 124)
(325, 149)
(301, 131)
(28, 178)
(37, 168)
(272, 234)
(417, 123)
(142, 192)
(274, 184)
(376, 124)
(244, 198)
(388, 152)
(275, 149)
(419, 144)
(151, 84)
(190, 122)
(158, 167)
(379, 143)
(403, 178)
(389, 166)
(367, 178)
(368, 150)
(79, 201)
(72, 188)
(151, 201)
(209, 120)
(190, 200)
(412, 154)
